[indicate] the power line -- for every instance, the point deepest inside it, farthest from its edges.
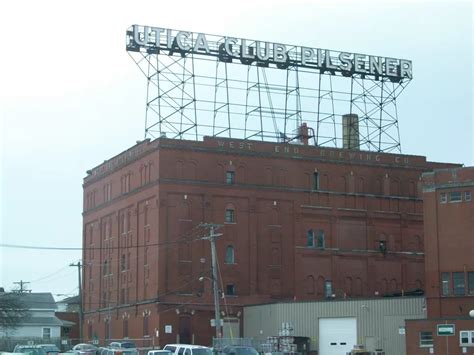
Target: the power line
(32, 247)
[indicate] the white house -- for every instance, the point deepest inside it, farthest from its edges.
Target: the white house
(42, 324)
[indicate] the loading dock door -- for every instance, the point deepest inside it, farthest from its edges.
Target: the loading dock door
(337, 335)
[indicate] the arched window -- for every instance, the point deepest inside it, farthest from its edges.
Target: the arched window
(229, 255)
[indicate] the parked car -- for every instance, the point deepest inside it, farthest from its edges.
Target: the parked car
(238, 350)
(122, 345)
(29, 349)
(85, 349)
(186, 349)
(117, 351)
(51, 349)
(159, 352)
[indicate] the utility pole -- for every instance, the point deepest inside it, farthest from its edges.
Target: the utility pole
(21, 283)
(78, 265)
(215, 287)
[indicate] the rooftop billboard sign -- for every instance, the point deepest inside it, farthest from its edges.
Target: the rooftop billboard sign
(262, 53)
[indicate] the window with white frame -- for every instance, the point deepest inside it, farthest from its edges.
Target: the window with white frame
(466, 338)
(446, 283)
(47, 334)
(467, 196)
(455, 196)
(426, 339)
(443, 198)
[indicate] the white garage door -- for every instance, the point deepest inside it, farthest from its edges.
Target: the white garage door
(337, 336)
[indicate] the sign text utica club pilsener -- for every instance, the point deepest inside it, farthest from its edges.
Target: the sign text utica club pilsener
(227, 49)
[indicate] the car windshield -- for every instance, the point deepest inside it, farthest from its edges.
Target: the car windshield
(202, 351)
(128, 345)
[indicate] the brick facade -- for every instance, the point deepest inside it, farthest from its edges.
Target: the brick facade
(449, 262)
(303, 222)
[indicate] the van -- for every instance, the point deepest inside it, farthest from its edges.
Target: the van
(186, 349)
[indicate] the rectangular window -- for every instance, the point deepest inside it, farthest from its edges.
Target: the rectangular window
(446, 283)
(328, 288)
(122, 263)
(455, 196)
(310, 239)
(458, 283)
(321, 241)
(315, 181)
(470, 282)
(47, 334)
(466, 337)
(467, 196)
(426, 339)
(443, 198)
(230, 290)
(229, 215)
(230, 177)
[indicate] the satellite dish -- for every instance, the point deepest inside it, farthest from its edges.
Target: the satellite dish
(471, 313)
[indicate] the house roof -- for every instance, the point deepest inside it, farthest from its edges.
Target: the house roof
(51, 321)
(43, 300)
(70, 300)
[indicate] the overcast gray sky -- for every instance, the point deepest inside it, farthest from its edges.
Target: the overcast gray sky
(71, 97)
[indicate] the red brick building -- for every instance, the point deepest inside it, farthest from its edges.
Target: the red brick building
(299, 222)
(449, 263)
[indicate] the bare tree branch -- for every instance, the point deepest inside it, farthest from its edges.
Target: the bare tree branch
(12, 311)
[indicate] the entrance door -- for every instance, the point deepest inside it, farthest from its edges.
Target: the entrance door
(185, 330)
(337, 335)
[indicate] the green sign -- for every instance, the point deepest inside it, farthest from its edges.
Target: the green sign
(445, 329)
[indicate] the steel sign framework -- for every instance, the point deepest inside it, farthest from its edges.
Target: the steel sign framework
(207, 85)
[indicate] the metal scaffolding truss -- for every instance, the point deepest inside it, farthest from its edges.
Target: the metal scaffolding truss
(190, 96)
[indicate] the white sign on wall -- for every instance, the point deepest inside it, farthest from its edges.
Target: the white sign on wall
(168, 329)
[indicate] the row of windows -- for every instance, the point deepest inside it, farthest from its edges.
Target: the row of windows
(454, 283)
(145, 177)
(125, 186)
(315, 184)
(455, 196)
(466, 338)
